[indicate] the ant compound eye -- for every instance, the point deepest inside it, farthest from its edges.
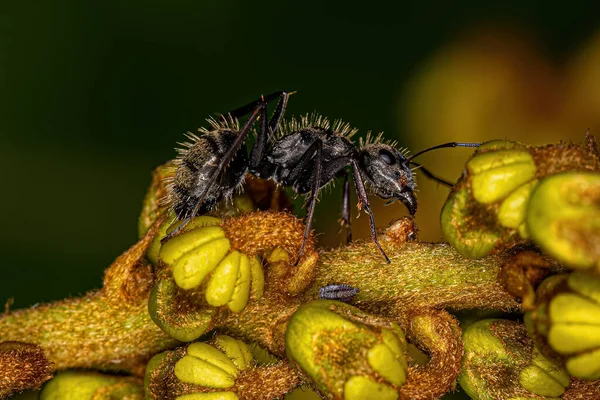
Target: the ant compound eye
(387, 157)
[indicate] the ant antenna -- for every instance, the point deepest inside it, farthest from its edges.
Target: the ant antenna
(441, 146)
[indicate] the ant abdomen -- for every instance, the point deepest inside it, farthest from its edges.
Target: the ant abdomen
(197, 161)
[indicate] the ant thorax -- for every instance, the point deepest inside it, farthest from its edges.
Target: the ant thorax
(292, 156)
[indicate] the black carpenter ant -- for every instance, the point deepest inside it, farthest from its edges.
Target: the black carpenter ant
(305, 155)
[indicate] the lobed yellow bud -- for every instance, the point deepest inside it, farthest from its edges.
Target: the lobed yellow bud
(213, 366)
(195, 371)
(473, 241)
(241, 291)
(330, 341)
(575, 325)
(496, 174)
(513, 210)
(178, 246)
(544, 377)
(389, 364)
(205, 368)
(501, 362)
(567, 319)
(222, 282)
(236, 350)
(87, 385)
(564, 218)
(202, 251)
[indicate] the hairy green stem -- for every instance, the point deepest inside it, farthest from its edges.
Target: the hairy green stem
(95, 332)
(89, 332)
(420, 276)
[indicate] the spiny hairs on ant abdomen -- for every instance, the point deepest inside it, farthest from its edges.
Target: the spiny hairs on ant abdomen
(304, 154)
(197, 160)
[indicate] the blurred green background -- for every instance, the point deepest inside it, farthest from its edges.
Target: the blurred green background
(95, 94)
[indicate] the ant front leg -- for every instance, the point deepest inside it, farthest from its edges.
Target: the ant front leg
(363, 201)
(345, 221)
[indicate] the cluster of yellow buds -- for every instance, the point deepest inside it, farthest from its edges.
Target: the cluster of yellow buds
(510, 193)
(346, 357)
(566, 322)
(500, 361)
(200, 263)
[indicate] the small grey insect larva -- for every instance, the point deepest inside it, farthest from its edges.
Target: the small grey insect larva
(341, 292)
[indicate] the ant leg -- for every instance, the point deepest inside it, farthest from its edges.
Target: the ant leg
(248, 108)
(314, 194)
(364, 202)
(227, 158)
(276, 117)
(300, 182)
(262, 139)
(431, 176)
(345, 221)
(441, 146)
(264, 132)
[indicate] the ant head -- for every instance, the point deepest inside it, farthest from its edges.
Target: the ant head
(388, 172)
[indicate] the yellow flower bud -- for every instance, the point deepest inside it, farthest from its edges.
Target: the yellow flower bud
(88, 385)
(564, 218)
(241, 291)
(176, 247)
(222, 282)
(513, 209)
(496, 174)
(236, 350)
(330, 341)
(206, 366)
(544, 377)
(195, 371)
(463, 228)
(568, 320)
(191, 269)
(500, 361)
